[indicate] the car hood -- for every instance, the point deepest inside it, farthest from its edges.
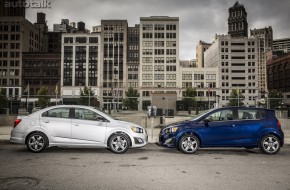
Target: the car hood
(184, 124)
(127, 124)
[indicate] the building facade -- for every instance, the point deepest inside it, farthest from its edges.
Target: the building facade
(159, 56)
(12, 8)
(264, 45)
(282, 44)
(41, 70)
(54, 42)
(200, 49)
(17, 35)
(236, 60)
(204, 80)
(80, 64)
(237, 21)
(133, 57)
(113, 68)
(278, 69)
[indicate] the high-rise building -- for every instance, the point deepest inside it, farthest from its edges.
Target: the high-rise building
(200, 49)
(133, 56)
(113, 68)
(54, 42)
(17, 35)
(41, 69)
(236, 60)
(282, 44)
(237, 21)
(12, 8)
(80, 63)
(264, 44)
(159, 56)
(278, 69)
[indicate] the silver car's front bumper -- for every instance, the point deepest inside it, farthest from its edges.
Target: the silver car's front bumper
(139, 140)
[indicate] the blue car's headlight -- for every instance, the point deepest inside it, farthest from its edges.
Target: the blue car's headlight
(171, 129)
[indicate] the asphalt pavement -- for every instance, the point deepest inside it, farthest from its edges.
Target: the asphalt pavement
(150, 167)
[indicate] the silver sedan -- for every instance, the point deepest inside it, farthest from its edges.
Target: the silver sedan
(76, 126)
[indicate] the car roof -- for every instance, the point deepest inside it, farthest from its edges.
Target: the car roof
(243, 107)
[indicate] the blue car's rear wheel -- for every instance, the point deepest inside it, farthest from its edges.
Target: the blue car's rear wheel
(270, 144)
(188, 144)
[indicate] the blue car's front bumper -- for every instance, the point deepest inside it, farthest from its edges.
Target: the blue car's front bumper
(167, 140)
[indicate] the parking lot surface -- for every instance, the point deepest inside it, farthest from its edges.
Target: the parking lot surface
(151, 167)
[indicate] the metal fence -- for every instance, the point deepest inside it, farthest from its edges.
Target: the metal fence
(117, 105)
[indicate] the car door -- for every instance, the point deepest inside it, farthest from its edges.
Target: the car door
(88, 128)
(249, 124)
(219, 128)
(57, 125)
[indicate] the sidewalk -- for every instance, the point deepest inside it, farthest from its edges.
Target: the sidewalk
(6, 130)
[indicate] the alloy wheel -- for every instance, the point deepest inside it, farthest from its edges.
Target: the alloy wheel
(36, 143)
(270, 144)
(189, 144)
(119, 144)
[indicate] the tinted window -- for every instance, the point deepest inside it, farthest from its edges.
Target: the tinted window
(57, 113)
(222, 115)
(249, 114)
(85, 114)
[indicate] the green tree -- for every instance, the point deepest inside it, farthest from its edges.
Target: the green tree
(236, 98)
(189, 99)
(3, 98)
(132, 99)
(88, 97)
(43, 97)
(275, 98)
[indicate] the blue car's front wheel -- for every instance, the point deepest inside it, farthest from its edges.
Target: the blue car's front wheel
(188, 144)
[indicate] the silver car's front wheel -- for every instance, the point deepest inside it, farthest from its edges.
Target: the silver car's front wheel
(37, 142)
(188, 144)
(270, 144)
(119, 143)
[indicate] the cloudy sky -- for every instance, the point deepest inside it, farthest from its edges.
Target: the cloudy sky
(199, 19)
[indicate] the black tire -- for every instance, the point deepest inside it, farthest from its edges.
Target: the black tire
(188, 144)
(270, 144)
(119, 143)
(37, 142)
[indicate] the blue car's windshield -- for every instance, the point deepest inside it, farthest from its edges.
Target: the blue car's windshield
(198, 116)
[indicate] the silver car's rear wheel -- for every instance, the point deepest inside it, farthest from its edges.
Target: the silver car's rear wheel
(119, 143)
(270, 144)
(37, 142)
(188, 144)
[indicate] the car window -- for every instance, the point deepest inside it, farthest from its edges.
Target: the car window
(249, 114)
(85, 114)
(222, 115)
(57, 113)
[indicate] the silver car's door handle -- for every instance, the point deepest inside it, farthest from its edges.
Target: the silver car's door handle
(75, 124)
(46, 121)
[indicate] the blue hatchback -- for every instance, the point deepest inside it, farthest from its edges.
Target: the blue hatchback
(226, 127)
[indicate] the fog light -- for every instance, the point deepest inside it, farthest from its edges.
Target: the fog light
(138, 140)
(168, 141)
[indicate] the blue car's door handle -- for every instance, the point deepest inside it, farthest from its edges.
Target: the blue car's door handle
(232, 125)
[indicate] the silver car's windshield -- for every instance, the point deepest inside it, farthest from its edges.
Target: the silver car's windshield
(105, 113)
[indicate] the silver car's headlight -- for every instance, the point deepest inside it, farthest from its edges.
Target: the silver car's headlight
(171, 129)
(137, 130)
